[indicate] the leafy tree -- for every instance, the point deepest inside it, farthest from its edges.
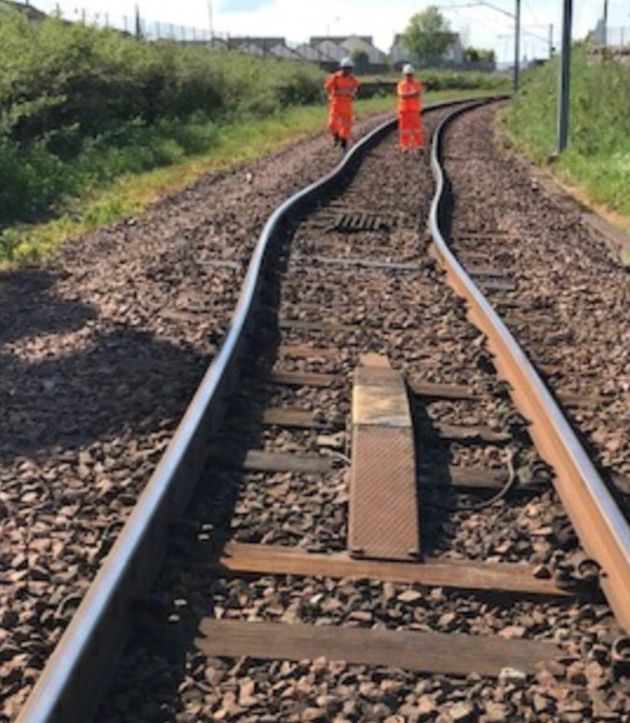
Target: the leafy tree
(361, 60)
(480, 55)
(472, 55)
(428, 35)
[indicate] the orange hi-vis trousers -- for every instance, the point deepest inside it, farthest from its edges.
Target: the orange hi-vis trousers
(340, 120)
(409, 108)
(410, 129)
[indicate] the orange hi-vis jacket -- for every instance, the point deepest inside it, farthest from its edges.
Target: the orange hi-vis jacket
(409, 95)
(409, 107)
(341, 90)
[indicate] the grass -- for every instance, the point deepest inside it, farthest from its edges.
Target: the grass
(597, 162)
(227, 146)
(95, 125)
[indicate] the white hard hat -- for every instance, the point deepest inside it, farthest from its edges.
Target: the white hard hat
(408, 69)
(346, 63)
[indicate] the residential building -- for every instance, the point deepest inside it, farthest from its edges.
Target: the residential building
(282, 50)
(329, 47)
(337, 47)
(254, 46)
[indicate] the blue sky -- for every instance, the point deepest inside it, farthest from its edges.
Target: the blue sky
(297, 19)
(248, 6)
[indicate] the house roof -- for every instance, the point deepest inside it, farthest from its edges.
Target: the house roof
(334, 51)
(339, 39)
(312, 53)
(260, 41)
(284, 51)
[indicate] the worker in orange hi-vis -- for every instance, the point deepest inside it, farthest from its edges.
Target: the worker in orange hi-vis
(342, 87)
(409, 107)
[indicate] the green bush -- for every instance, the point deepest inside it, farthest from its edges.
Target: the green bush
(599, 149)
(463, 80)
(438, 80)
(80, 105)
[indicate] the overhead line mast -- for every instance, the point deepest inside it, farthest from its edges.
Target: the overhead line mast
(565, 77)
(517, 44)
(516, 15)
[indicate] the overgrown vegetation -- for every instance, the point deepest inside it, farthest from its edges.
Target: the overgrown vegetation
(95, 125)
(463, 80)
(81, 106)
(598, 157)
(438, 80)
(235, 143)
(480, 55)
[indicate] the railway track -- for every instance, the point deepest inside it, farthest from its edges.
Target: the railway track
(365, 491)
(572, 325)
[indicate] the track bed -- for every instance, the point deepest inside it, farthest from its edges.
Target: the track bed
(101, 352)
(567, 299)
(354, 279)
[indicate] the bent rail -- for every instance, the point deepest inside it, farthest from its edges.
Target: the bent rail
(599, 523)
(76, 674)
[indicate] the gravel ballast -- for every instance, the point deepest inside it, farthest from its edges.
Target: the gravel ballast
(415, 319)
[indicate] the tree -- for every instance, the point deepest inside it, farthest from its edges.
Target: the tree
(472, 55)
(480, 55)
(361, 60)
(428, 35)
(489, 56)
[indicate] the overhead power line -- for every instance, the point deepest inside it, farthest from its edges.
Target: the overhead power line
(533, 14)
(482, 3)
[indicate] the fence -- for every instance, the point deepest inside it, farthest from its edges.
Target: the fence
(133, 23)
(271, 47)
(154, 30)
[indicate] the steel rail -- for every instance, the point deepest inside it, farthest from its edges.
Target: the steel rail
(603, 531)
(77, 672)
